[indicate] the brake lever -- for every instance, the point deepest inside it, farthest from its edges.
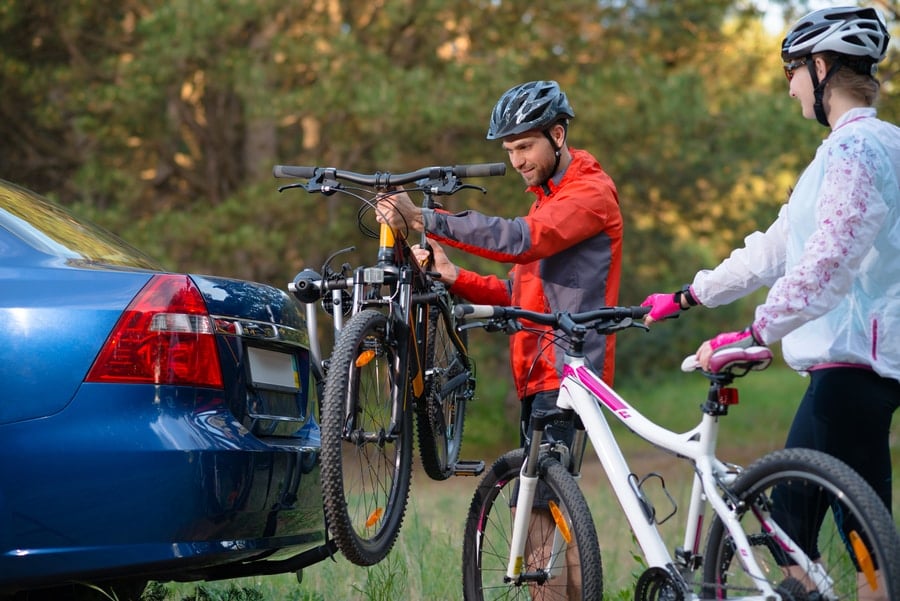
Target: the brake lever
(469, 187)
(447, 187)
(294, 185)
(494, 325)
(610, 327)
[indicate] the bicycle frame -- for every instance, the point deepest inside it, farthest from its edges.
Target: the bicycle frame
(583, 392)
(409, 312)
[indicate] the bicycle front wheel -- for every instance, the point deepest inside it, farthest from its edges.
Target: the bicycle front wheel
(488, 536)
(449, 385)
(824, 508)
(365, 458)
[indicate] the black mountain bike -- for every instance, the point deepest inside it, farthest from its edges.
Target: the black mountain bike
(400, 354)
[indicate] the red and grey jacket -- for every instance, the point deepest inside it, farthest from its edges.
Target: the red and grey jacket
(567, 257)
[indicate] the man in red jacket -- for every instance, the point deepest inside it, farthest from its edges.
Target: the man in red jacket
(566, 252)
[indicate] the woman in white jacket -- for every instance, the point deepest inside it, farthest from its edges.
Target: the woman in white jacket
(831, 259)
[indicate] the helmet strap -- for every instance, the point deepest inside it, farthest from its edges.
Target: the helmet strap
(819, 88)
(557, 150)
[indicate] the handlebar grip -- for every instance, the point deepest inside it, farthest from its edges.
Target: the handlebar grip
(293, 171)
(641, 311)
(475, 311)
(480, 170)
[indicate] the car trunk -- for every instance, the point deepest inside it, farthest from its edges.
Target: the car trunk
(264, 344)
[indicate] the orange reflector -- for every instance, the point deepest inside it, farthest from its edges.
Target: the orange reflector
(364, 357)
(864, 559)
(560, 521)
(374, 517)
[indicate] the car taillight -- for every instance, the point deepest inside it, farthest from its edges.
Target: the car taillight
(165, 336)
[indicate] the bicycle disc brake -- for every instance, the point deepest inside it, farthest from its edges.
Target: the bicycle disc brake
(656, 584)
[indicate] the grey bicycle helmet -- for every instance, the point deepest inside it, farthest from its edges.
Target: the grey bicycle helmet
(528, 106)
(855, 32)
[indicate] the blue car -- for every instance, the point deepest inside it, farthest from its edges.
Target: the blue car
(153, 425)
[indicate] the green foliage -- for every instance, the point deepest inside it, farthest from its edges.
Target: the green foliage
(243, 589)
(385, 581)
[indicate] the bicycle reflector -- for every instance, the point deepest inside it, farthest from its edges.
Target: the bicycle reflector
(728, 396)
(364, 358)
(560, 520)
(864, 559)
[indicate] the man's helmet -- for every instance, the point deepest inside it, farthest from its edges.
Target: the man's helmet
(528, 106)
(852, 31)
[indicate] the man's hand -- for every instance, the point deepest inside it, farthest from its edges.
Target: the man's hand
(397, 210)
(743, 339)
(438, 260)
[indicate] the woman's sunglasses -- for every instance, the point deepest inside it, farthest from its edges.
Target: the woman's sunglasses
(793, 66)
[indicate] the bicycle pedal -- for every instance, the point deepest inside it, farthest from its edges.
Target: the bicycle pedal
(468, 468)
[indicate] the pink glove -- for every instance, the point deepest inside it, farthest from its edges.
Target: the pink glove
(663, 305)
(737, 340)
(743, 339)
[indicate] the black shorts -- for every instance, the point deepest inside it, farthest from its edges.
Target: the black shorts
(562, 431)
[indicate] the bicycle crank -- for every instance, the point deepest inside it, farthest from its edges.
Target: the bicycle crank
(656, 584)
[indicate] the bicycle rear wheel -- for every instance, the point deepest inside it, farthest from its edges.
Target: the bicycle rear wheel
(449, 385)
(488, 536)
(790, 485)
(365, 466)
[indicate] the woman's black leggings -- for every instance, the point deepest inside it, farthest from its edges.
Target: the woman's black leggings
(846, 412)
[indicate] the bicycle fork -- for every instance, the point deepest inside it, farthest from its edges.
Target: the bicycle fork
(528, 482)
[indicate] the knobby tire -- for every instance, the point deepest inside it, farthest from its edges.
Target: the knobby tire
(365, 470)
(488, 533)
(824, 479)
(441, 414)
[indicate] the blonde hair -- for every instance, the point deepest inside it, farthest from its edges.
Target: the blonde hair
(861, 86)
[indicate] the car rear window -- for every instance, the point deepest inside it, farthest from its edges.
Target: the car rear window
(51, 229)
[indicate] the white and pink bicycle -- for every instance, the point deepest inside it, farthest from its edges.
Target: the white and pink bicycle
(795, 525)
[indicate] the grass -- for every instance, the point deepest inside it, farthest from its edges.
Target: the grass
(425, 563)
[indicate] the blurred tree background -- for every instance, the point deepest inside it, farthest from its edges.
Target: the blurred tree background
(162, 119)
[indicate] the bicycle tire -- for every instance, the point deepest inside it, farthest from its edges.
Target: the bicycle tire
(486, 542)
(365, 471)
(824, 478)
(440, 417)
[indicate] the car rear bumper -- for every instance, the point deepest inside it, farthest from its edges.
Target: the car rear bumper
(150, 480)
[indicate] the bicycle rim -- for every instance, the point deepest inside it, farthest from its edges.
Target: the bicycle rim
(441, 415)
(488, 535)
(856, 531)
(365, 468)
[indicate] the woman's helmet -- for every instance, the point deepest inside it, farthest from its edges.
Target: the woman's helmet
(855, 32)
(858, 35)
(528, 106)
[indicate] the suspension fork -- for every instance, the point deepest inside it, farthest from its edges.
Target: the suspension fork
(528, 480)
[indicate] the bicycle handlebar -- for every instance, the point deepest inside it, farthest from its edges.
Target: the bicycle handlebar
(386, 179)
(725, 364)
(550, 319)
(565, 321)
